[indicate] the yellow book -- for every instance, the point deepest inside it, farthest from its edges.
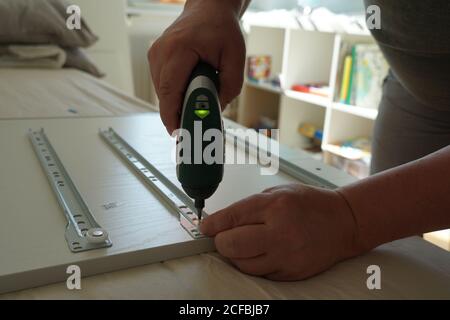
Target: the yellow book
(346, 78)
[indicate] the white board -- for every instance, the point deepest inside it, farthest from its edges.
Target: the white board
(33, 249)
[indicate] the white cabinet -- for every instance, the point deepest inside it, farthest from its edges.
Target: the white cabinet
(301, 56)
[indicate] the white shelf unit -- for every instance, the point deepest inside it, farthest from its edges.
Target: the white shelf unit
(300, 57)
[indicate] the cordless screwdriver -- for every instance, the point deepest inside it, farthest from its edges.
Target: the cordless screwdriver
(199, 177)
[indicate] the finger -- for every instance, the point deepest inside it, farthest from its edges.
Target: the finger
(284, 276)
(301, 273)
(277, 276)
(172, 85)
(243, 242)
(246, 211)
(231, 73)
(271, 189)
(257, 266)
(283, 187)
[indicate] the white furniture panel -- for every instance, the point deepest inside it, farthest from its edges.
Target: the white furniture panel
(34, 250)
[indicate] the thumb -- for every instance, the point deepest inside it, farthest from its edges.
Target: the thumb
(248, 211)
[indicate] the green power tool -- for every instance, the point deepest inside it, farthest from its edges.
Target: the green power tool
(201, 156)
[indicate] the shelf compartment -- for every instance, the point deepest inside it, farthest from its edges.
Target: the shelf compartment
(308, 98)
(293, 112)
(345, 126)
(308, 58)
(268, 41)
(257, 102)
(264, 86)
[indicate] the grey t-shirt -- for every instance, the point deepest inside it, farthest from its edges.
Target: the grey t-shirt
(415, 38)
(414, 114)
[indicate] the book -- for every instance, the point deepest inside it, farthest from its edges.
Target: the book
(370, 70)
(259, 67)
(346, 78)
(317, 89)
(352, 76)
(344, 50)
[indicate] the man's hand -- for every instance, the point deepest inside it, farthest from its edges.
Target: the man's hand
(288, 232)
(206, 30)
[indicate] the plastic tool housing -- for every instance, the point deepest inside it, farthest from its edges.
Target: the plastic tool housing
(201, 109)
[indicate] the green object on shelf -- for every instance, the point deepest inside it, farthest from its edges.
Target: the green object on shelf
(348, 65)
(352, 76)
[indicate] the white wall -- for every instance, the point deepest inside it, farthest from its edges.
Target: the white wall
(334, 5)
(107, 19)
(143, 31)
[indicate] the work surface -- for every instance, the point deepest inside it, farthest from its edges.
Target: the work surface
(56, 93)
(32, 228)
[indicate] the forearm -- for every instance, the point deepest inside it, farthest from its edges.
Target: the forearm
(405, 201)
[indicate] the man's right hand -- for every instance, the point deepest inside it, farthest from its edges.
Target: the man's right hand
(207, 30)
